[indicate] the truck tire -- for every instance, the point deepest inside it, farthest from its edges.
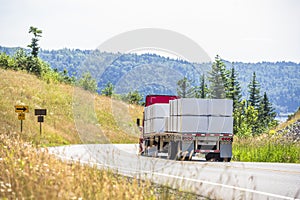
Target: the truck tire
(213, 157)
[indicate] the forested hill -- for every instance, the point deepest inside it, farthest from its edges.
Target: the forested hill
(150, 73)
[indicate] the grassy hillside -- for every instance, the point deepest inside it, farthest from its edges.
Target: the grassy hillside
(292, 119)
(60, 127)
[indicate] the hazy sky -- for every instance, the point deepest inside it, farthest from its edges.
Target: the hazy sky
(249, 31)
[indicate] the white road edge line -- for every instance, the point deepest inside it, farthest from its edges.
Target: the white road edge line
(184, 178)
(227, 186)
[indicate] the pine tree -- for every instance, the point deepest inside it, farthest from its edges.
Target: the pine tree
(108, 90)
(218, 78)
(266, 113)
(254, 102)
(184, 88)
(34, 41)
(254, 92)
(33, 65)
(234, 88)
(234, 93)
(202, 90)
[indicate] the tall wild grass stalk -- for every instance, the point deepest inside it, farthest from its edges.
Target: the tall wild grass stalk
(266, 149)
(28, 172)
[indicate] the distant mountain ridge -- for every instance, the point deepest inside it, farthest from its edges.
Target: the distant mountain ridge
(151, 73)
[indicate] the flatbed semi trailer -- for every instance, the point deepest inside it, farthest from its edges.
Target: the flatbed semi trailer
(184, 128)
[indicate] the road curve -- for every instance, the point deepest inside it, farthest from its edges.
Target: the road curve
(235, 180)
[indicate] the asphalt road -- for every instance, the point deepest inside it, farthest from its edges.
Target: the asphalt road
(234, 180)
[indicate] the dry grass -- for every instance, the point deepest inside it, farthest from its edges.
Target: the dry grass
(21, 88)
(30, 173)
(117, 119)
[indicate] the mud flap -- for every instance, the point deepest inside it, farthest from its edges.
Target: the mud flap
(225, 150)
(187, 148)
(174, 148)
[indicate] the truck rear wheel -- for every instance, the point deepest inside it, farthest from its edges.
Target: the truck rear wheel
(213, 157)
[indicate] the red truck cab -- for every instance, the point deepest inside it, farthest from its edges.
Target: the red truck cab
(153, 99)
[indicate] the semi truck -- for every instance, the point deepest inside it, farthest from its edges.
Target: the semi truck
(187, 128)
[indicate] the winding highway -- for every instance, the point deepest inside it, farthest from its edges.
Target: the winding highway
(234, 180)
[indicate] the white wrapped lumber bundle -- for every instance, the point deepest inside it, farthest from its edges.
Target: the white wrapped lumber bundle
(159, 110)
(157, 125)
(190, 115)
(192, 107)
(147, 126)
(191, 124)
(220, 124)
(220, 107)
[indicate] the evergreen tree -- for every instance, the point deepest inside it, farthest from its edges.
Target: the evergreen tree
(202, 91)
(34, 41)
(254, 92)
(234, 93)
(234, 88)
(266, 113)
(108, 90)
(184, 88)
(33, 65)
(218, 78)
